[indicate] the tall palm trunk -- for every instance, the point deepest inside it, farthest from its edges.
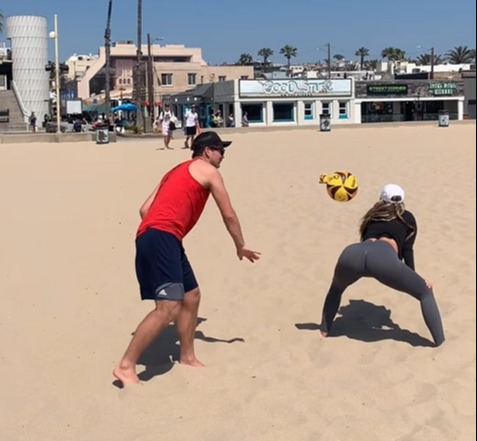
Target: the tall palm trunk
(138, 82)
(107, 47)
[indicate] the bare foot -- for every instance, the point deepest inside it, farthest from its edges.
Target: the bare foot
(126, 376)
(191, 361)
(170, 148)
(324, 334)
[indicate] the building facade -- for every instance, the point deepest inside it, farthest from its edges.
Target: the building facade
(294, 102)
(175, 68)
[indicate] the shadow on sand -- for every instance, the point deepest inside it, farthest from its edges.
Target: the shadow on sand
(160, 357)
(365, 321)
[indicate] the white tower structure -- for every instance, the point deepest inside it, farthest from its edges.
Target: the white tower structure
(29, 41)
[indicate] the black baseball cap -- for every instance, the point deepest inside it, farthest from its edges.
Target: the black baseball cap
(208, 139)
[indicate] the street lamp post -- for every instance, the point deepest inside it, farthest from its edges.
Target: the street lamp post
(54, 35)
(328, 59)
(431, 76)
(432, 63)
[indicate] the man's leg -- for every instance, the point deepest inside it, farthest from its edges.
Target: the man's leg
(186, 142)
(186, 324)
(148, 330)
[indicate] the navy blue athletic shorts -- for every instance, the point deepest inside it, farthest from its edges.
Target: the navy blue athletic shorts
(162, 268)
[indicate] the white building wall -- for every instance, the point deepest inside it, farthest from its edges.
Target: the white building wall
(29, 41)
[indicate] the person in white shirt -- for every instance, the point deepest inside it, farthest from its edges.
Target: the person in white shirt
(165, 119)
(191, 123)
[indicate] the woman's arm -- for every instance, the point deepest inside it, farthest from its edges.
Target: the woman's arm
(408, 247)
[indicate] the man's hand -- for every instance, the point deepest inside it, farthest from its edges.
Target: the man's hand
(248, 254)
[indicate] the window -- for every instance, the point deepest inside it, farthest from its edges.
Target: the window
(326, 106)
(283, 112)
(244, 77)
(166, 79)
(309, 111)
(254, 112)
(343, 109)
(222, 77)
(191, 79)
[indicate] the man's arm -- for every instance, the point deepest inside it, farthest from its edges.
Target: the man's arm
(230, 218)
(148, 202)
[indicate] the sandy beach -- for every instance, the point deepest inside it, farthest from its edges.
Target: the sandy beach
(69, 297)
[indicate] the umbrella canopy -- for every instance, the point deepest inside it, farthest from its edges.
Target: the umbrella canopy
(127, 107)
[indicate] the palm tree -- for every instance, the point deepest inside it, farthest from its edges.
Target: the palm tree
(362, 52)
(426, 59)
(460, 55)
(393, 53)
(245, 59)
(288, 51)
(266, 53)
(1, 22)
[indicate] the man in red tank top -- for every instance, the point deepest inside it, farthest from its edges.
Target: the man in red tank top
(162, 268)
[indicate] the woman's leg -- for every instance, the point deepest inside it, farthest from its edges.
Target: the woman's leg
(384, 265)
(348, 270)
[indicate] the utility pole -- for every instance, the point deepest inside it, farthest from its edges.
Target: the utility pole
(150, 75)
(107, 47)
(138, 82)
(432, 63)
(329, 61)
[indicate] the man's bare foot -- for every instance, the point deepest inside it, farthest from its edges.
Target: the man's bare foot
(191, 361)
(170, 148)
(324, 334)
(126, 376)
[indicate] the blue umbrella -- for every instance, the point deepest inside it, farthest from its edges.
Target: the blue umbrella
(126, 107)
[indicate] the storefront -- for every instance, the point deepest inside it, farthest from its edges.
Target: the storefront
(416, 100)
(271, 103)
(274, 103)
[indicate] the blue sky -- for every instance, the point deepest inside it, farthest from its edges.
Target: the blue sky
(226, 29)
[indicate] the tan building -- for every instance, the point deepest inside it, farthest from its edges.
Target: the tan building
(79, 64)
(176, 69)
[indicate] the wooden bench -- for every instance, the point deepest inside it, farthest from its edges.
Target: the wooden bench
(4, 115)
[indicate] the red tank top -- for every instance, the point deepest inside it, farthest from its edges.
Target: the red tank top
(178, 204)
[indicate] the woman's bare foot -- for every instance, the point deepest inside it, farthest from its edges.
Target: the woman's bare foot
(191, 361)
(126, 375)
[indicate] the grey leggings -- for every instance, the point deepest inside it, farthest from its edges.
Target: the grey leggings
(379, 260)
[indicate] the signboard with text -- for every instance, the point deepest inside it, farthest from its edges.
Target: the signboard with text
(387, 89)
(294, 88)
(442, 89)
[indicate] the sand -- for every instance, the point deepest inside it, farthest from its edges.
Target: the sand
(69, 298)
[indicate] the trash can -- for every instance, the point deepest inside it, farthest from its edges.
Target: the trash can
(102, 135)
(443, 118)
(325, 123)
